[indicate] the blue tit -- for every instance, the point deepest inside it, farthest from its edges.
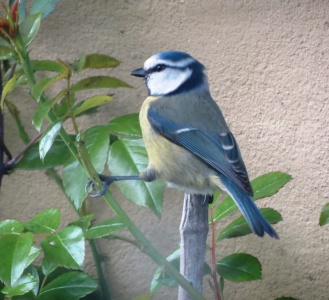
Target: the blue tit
(188, 142)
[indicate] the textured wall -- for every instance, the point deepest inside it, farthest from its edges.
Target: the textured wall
(267, 63)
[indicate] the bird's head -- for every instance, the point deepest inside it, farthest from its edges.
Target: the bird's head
(172, 72)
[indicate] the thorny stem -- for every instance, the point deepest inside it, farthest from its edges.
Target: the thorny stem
(213, 256)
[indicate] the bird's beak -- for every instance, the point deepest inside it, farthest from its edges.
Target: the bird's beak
(138, 72)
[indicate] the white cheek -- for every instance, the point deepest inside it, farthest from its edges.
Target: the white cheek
(167, 81)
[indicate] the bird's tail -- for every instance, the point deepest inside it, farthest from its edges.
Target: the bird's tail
(250, 211)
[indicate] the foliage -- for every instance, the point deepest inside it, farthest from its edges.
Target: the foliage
(38, 259)
(236, 267)
(79, 154)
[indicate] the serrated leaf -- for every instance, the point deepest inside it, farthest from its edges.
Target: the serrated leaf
(11, 226)
(32, 270)
(129, 157)
(127, 126)
(324, 217)
(23, 285)
(74, 180)
(84, 222)
(46, 221)
(34, 253)
(240, 227)
(69, 286)
(92, 102)
(239, 267)
(264, 186)
(65, 248)
(30, 27)
(48, 138)
(104, 228)
(6, 52)
(57, 155)
(47, 267)
(98, 82)
(14, 251)
(96, 140)
(47, 65)
(95, 61)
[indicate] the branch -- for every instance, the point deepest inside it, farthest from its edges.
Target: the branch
(194, 230)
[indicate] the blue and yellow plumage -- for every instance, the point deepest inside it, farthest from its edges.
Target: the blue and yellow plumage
(186, 137)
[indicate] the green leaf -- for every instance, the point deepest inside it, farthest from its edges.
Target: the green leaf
(45, 83)
(239, 267)
(240, 227)
(57, 155)
(162, 278)
(69, 286)
(48, 139)
(16, 116)
(6, 52)
(30, 27)
(324, 217)
(269, 184)
(83, 222)
(14, 251)
(41, 113)
(129, 157)
(105, 228)
(96, 140)
(45, 7)
(127, 126)
(65, 248)
(47, 65)
(34, 253)
(98, 82)
(32, 270)
(9, 86)
(92, 102)
(264, 186)
(95, 61)
(46, 221)
(23, 285)
(74, 180)
(11, 226)
(21, 9)
(47, 267)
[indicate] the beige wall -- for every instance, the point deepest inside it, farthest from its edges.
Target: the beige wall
(267, 63)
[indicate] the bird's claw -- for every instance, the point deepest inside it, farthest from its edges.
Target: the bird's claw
(90, 186)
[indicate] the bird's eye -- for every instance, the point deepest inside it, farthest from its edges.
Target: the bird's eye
(159, 68)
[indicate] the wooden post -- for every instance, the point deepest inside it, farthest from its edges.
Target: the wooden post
(193, 231)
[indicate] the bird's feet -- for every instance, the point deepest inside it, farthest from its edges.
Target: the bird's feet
(90, 186)
(208, 199)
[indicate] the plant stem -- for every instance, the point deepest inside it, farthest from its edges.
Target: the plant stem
(213, 256)
(83, 157)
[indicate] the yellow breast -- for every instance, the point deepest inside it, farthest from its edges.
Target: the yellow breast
(172, 163)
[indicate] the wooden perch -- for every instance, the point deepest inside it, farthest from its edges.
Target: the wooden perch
(193, 231)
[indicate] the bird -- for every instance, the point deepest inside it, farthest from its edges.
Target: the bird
(187, 139)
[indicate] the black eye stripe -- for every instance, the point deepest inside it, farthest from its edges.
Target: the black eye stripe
(158, 68)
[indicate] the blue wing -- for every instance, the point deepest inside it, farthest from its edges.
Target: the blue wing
(216, 148)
